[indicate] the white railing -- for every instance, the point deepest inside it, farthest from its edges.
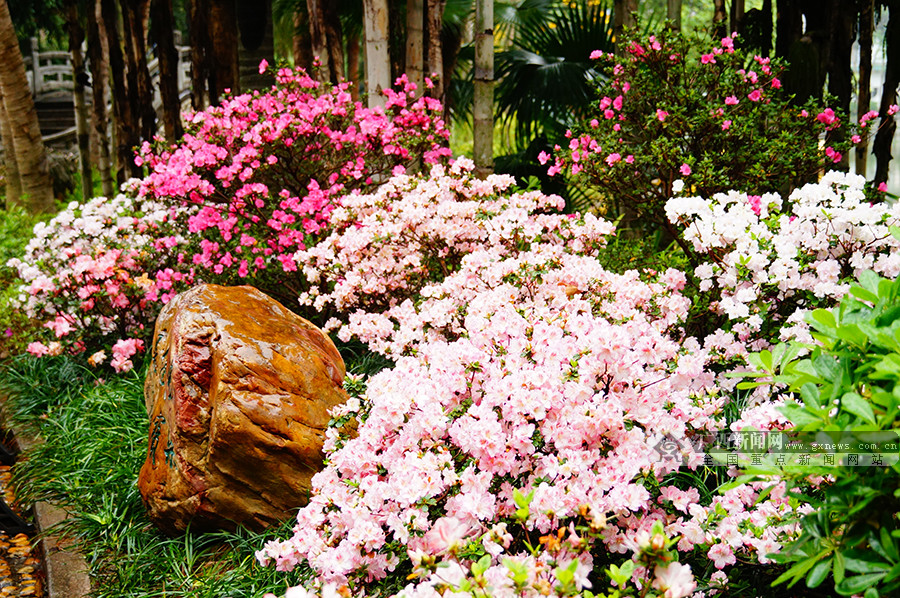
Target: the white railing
(52, 71)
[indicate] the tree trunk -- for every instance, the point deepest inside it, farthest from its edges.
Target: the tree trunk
(435, 23)
(127, 132)
(415, 37)
(223, 50)
(11, 174)
(378, 64)
(483, 100)
(737, 16)
(162, 30)
(882, 144)
(720, 19)
(335, 39)
(623, 18)
(21, 117)
(257, 44)
(300, 41)
(353, 64)
(840, 72)
(673, 13)
(319, 38)
(79, 76)
(201, 54)
(140, 90)
(866, 29)
(99, 63)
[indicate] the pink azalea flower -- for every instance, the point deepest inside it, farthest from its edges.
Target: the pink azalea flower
(685, 169)
(721, 555)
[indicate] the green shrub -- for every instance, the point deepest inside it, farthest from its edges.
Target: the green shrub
(847, 389)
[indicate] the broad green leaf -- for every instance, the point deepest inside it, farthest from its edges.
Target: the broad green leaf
(858, 406)
(822, 320)
(858, 583)
(818, 573)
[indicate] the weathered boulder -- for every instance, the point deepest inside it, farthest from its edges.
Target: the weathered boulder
(238, 394)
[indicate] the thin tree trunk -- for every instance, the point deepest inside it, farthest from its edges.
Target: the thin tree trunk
(300, 41)
(415, 38)
(99, 63)
(483, 100)
(378, 62)
(223, 51)
(840, 72)
(31, 159)
(353, 64)
(11, 174)
(866, 28)
(334, 39)
(673, 13)
(162, 28)
(201, 54)
(319, 38)
(79, 76)
(737, 16)
(126, 128)
(623, 18)
(882, 144)
(435, 23)
(720, 19)
(140, 91)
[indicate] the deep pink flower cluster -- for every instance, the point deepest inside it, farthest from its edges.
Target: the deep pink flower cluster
(264, 169)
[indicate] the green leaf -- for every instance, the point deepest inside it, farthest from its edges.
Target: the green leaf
(839, 567)
(858, 406)
(863, 562)
(481, 566)
(858, 583)
(818, 573)
(822, 320)
(797, 572)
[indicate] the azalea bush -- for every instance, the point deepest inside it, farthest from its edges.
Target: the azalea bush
(264, 170)
(715, 120)
(768, 260)
(544, 387)
(254, 180)
(92, 278)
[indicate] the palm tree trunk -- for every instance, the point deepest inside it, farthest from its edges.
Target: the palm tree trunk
(201, 54)
(163, 34)
(334, 39)
(99, 63)
(483, 100)
(435, 23)
(673, 13)
(126, 127)
(140, 91)
(881, 147)
(866, 28)
(353, 76)
(21, 118)
(415, 37)
(720, 19)
(319, 38)
(378, 62)
(623, 18)
(11, 174)
(76, 38)
(300, 41)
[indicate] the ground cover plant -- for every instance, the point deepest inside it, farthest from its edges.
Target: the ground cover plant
(94, 435)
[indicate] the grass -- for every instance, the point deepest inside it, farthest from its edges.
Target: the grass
(95, 441)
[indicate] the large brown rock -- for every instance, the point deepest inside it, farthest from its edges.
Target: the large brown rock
(238, 395)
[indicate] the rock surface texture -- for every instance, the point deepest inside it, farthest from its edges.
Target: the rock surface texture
(238, 395)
